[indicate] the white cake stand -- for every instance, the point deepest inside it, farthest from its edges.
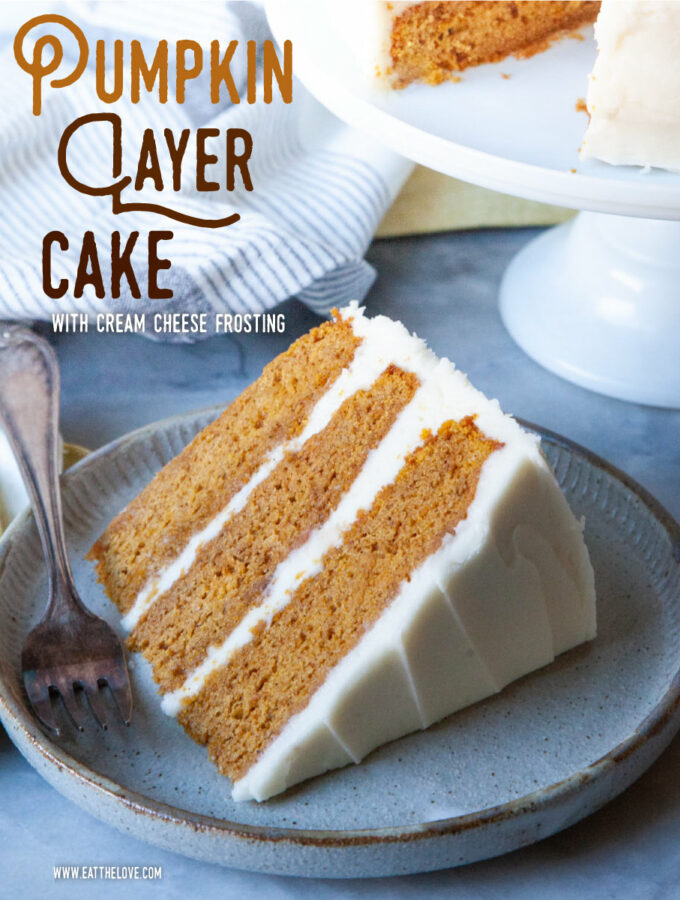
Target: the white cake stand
(596, 300)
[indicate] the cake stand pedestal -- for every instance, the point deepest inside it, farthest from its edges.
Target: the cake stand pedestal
(597, 300)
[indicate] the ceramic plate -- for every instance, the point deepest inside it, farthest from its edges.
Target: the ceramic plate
(548, 750)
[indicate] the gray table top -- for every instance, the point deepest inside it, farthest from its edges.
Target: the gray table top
(444, 287)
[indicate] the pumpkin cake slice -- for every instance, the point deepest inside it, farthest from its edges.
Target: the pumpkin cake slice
(359, 546)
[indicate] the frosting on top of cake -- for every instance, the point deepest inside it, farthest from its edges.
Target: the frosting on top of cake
(634, 90)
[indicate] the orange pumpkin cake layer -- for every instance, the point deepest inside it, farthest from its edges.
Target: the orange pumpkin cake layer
(429, 41)
(359, 546)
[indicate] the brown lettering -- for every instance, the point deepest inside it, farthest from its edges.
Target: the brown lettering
(204, 159)
(148, 165)
(121, 264)
(53, 237)
(88, 254)
(239, 160)
(176, 152)
(156, 264)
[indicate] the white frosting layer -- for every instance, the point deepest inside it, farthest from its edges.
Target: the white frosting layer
(634, 89)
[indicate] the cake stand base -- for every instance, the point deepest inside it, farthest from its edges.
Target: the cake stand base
(597, 301)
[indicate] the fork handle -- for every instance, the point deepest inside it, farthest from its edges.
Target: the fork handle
(29, 412)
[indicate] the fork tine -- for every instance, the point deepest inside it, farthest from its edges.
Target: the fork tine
(76, 710)
(45, 712)
(122, 695)
(39, 696)
(94, 698)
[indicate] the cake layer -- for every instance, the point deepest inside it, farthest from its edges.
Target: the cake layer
(430, 40)
(232, 571)
(191, 490)
(634, 91)
(243, 705)
(401, 42)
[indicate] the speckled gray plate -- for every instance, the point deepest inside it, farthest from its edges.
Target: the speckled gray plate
(517, 767)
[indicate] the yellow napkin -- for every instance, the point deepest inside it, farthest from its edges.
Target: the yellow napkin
(431, 202)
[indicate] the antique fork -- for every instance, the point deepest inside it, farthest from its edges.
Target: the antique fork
(71, 653)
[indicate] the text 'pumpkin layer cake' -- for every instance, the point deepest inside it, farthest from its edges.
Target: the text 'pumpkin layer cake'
(359, 546)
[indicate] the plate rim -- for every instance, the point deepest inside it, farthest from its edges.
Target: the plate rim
(17, 718)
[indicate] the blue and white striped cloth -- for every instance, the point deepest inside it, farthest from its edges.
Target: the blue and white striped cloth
(321, 188)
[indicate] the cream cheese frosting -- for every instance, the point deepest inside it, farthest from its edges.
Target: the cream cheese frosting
(634, 90)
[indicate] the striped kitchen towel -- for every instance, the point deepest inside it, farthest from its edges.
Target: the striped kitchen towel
(320, 188)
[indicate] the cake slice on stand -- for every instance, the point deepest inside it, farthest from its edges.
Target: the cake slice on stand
(402, 42)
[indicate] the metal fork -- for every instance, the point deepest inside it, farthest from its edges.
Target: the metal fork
(71, 653)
